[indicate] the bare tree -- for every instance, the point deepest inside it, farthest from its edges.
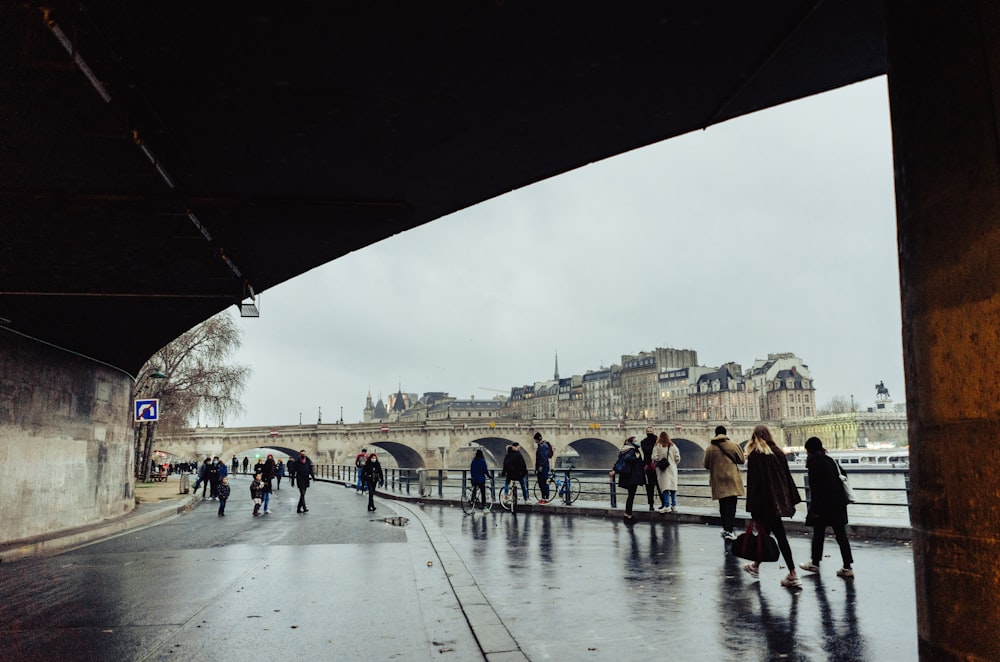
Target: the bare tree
(838, 404)
(191, 376)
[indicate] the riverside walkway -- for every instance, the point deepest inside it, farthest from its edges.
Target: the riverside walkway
(542, 584)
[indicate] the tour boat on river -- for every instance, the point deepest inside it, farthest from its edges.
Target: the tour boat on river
(893, 457)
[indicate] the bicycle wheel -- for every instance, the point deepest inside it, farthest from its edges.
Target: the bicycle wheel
(506, 499)
(469, 501)
(538, 490)
(571, 488)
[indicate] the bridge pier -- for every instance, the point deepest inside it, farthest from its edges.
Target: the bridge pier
(66, 454)
(943, 73)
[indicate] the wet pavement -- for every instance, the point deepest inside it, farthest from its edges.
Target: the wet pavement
(341, 582)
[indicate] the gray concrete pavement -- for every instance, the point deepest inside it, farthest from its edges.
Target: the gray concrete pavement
(338, 581)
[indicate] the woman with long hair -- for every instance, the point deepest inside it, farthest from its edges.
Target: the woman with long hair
(771, 495)
(666, 458)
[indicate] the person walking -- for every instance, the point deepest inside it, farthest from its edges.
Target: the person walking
(631, 473)
(771, 495)
(202, 478)
(359, 465)
(246, 463)
(722, 459)
(256, 493)
(372, 474)
(827, 507)
(515, 469)
(267, 475)
(479, 471)
(236, 465)
(224, 491)
(543, 453)
(279, 473)
(666, 458)
(646, 445)
(301, 472)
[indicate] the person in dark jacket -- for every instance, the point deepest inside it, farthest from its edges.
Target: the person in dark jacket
(479, 472)
(647, 445)
(224, 491)
(515, 469)
(256, 493)
(372, 474)
(267, 474)
(827, 507)
(202, 478)
(632, 474)
(216, 472)
(301, 470)
(771, 495)
(543, 453)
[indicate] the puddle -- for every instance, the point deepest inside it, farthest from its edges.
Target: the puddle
(395, 521)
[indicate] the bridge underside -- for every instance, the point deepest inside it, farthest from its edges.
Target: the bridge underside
(162, 162)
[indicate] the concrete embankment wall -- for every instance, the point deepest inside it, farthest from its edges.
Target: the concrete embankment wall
(65, 440)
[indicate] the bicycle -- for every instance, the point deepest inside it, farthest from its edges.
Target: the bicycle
(508, 497)
(565, 488)
(471, 501)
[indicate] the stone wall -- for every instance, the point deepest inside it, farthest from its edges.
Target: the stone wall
(65, 440)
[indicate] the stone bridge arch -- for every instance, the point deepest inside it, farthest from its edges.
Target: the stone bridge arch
(402, 455)
(691, 453)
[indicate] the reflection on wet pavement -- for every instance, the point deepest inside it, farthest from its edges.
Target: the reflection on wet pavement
(580, 586)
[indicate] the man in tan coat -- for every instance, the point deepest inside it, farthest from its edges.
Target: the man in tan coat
(722, 459)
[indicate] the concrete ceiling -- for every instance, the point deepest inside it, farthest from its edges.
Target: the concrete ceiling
(294, 136)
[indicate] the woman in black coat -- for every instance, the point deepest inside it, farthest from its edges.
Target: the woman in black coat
(632, 473)
(827, 507)
(771, 495)
(372, 474)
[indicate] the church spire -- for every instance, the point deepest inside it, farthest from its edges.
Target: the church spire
(556, 377)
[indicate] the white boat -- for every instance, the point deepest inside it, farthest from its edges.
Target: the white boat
(862, 458)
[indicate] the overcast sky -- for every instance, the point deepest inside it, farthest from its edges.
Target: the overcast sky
(770, 233)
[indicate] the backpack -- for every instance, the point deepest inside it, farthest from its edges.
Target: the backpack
(548, 450)
(620, 462)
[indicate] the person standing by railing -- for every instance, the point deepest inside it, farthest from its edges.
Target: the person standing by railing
(827, 507)
(647, 444)
(359, 465)
(515, 469)
(479, 471)
(543, 453)
(666, 458)
(631, 473)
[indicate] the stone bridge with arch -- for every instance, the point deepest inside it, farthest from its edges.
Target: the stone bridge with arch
(440, 444)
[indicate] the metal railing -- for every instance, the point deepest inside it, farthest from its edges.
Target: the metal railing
(598, 488)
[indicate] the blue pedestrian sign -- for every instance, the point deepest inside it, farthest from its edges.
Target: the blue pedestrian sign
(147, 410)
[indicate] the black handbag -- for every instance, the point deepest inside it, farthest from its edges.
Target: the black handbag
(663, 463)
(755, 544)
